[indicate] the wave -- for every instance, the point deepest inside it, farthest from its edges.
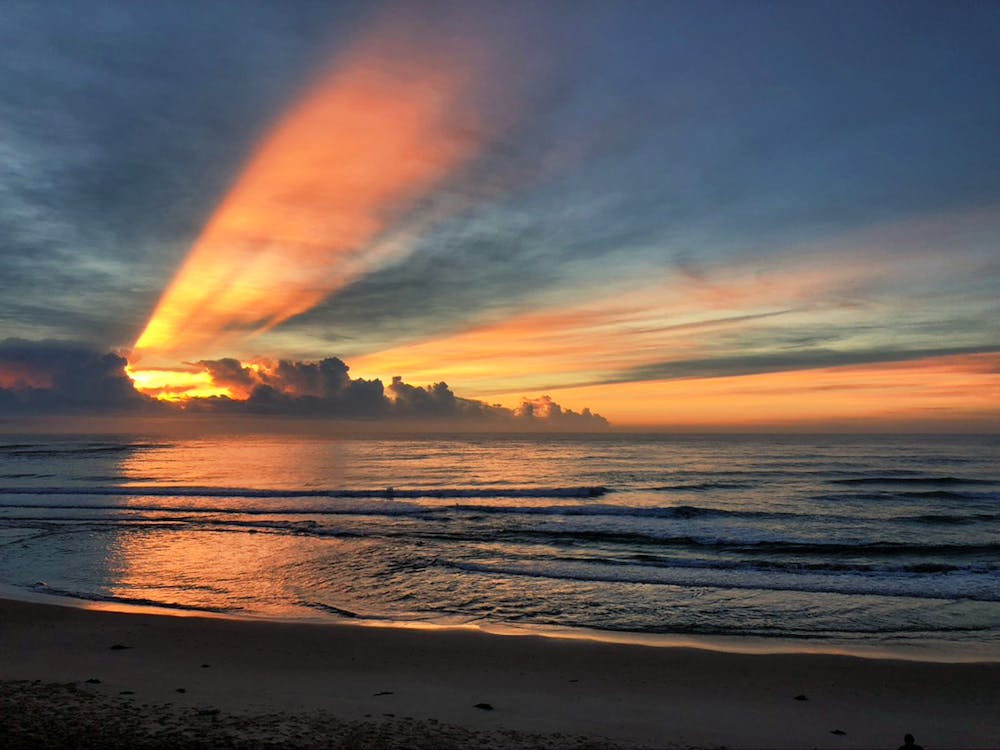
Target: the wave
(90, 596)
(625, 511)
(332, 610)
(91, 525)
(678, 512)
(796, 566)
(949, 519)
(965, 496)
(946, 495)
(849, 585)
(758, 547)
(388, 493)
(557, 536)
(946, 480)
(673, 512)
(699, 486)
(35, 449)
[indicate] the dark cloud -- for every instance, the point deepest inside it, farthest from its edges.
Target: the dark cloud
(326, 379)
(65, 378)
(325, 389)
(51, 377)
(801, 359)
(439, 401)
(230, 373)
(549, 412)
(435, 400)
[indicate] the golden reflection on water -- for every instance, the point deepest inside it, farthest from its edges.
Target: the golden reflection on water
(217, 570)
(202, 552)
(268, 463)
(235, 563)
(238, 462)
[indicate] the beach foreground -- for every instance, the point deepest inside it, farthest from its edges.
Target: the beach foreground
(84, 678)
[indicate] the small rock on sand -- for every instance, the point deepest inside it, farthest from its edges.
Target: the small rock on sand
(484, 706)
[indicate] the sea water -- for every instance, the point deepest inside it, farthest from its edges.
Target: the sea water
(859, 544)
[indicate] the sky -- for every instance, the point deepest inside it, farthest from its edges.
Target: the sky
(676, 215)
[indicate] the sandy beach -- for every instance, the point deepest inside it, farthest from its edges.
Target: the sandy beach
(74, 677)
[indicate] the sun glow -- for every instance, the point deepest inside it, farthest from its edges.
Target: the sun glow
(176, 385)
(203, 380)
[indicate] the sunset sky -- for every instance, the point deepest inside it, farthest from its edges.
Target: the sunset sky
(718, 215)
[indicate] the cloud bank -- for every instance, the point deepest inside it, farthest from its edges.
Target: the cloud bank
(325, 388)
(52, 377)
(66, 378)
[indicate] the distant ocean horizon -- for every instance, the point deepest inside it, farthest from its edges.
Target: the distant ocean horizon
(869, 544)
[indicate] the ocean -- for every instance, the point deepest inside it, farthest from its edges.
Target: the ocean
(859, 544)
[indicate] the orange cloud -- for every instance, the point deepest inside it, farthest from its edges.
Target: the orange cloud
(321, 190)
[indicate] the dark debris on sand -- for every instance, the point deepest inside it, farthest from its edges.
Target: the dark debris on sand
(35, 715)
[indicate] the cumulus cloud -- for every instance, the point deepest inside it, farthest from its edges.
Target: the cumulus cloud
(438, 400)
(230, 373)
(56, 377)
(66, 378)
(546, 410)
(325, 388)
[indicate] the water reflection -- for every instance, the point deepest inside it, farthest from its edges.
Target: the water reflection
(238, 462)
(228, 570)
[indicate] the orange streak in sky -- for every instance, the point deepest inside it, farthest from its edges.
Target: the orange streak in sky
(957, 392)
(607, 331)
(359, 150)
(673, 318)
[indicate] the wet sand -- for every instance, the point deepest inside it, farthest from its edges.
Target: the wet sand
(73, 677)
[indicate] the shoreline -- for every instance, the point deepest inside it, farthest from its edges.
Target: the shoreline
(431, 680)
(729, 644)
